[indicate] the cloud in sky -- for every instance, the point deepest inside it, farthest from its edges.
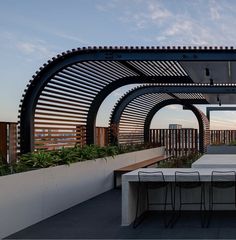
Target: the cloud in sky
(214, 10)
(30, 48)
(34, 48)
(31, 34)
(174, 22)
(71, 37)
(107, 6)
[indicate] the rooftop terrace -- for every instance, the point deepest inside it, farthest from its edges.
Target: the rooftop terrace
(100, 218)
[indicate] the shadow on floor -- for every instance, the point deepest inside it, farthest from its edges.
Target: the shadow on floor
(100, 218)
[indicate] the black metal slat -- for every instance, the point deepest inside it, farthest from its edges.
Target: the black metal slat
(108, 71)
(139, 67)
(85, 97)
(49, 96)
(61, 103)
(79, 72)
(82, 85)
(59, 106)
(181, 68)
(126, 68)
(80, 79)
(178, 68)
(103, 71)
(155, 69)
(148, 67)
(72, 97)
(173, 70)
(162, 69)
(83, 90)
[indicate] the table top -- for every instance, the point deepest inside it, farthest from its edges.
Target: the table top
(169, 173)
(216, 161)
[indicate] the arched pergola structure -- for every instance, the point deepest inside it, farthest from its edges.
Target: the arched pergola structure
(62, 100)
(203, 123)
(131, 118)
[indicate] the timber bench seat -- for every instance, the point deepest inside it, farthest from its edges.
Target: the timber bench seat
(135, 166)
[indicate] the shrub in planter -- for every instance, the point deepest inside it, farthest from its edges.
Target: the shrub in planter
(180, 162)
(44, 159)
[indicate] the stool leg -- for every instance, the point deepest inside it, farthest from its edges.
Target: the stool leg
(210, 205)
(235, 194)
(165, 201)
(203, 207)
(137, 207)
(175, 217)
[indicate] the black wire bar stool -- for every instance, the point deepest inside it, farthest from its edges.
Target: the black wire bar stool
(187, 181)
(221, 180)
(149, 181)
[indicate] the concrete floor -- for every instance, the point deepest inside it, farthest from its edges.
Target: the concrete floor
(100, 218)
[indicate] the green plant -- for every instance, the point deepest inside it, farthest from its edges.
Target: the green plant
(67, 155)
(180, 162)
(232, 143)
(44, 159)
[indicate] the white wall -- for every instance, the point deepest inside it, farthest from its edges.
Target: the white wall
(29, 197)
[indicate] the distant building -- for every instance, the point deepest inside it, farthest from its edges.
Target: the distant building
(175, 126)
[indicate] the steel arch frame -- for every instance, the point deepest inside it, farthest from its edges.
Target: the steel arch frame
(196, 112)
(40, 81)
(103, 94)
(139, 91)
(61, 61)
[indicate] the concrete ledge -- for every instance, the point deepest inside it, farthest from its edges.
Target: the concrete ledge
(29, 197)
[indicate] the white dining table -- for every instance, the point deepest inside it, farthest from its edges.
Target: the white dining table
(130, 183)
(216, 161)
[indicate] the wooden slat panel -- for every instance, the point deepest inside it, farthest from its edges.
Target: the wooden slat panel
(58, 137)
(12, 142)
(3, 141)
(55, 141)
(56, 146)
(55, 133)
(176, 141)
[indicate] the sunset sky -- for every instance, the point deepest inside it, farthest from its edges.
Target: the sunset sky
(31, 32)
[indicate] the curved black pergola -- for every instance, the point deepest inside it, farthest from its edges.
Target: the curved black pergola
(66, 93)
(203, 122)
(132, 115)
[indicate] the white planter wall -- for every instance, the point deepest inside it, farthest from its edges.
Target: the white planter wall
(29, 197)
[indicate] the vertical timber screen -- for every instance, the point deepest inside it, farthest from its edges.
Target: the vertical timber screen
(8, 142)
(102, 136)
(178, 142)
(223, 136)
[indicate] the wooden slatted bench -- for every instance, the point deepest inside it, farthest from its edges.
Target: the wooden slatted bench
(134, 166)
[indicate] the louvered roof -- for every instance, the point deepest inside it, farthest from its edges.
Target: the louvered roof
(69, 89)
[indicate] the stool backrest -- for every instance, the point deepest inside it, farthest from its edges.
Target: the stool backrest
(154, 179)
(223, 179)
(187, 179)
